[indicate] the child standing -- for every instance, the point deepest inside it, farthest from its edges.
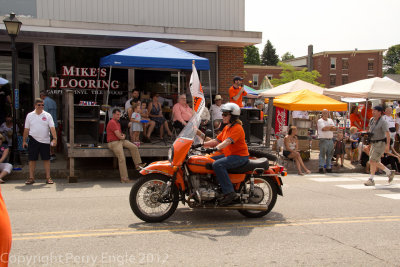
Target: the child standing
(354, 144)
(144, 113)
(339, 148)
(136, 124)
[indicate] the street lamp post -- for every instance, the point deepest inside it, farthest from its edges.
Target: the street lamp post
(13, 25)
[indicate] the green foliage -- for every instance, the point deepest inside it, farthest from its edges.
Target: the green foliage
(392, 60)
(287, 56)
(397, 68)
(269, 56)
(289, 73)
(251, 55)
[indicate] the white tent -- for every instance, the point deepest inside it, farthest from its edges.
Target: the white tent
(369, 88)
(292, 87)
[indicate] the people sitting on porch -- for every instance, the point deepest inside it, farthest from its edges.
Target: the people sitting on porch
(136, 125)
(291, 150)
(117, 141)
(7, 129)
(205, 119)
(5, 167)
(144, 113)
(181, 113)
(156, 115)
(216, 113)
(135, 96)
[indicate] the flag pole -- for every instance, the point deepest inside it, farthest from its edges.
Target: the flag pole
(192, 95)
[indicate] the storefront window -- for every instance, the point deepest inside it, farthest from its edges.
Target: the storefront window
(24, 82)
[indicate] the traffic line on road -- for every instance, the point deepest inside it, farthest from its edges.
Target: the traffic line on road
(335, 179)
(391, 196)
(362, 186)
(200, 227)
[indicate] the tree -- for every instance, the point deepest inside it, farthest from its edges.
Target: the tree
(287, 56)
(269, 56)
(391, 59)
(251, 55)
(289, 73)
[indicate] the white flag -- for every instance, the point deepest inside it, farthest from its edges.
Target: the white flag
(197, 91)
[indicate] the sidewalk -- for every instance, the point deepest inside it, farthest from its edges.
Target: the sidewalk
(102, 168)
(313, 165)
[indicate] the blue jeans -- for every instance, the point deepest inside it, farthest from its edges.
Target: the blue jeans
(325, 153)
(220, 167)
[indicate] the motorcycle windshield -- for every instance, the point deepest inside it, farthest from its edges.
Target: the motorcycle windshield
(191, 128)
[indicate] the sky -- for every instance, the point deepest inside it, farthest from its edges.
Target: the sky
(329, 25)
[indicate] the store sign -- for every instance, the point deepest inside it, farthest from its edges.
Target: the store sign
(82, 79)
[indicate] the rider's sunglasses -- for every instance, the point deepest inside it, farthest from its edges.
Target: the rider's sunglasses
(225, 114)
(40, 105)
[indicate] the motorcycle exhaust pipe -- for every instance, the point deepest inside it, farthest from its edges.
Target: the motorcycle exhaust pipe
(237, 207)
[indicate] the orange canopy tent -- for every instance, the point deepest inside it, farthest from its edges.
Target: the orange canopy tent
(308, 100)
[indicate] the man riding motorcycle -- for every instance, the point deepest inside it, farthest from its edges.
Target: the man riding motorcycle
(232, 150)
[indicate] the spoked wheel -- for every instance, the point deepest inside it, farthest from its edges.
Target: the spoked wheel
(265, 193)
(146, 198)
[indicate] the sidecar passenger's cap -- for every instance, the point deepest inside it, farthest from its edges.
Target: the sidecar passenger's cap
(379, 108)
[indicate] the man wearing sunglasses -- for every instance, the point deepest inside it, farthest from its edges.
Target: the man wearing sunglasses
(232, 148)
(38, 125)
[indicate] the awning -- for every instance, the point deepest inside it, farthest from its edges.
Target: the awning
(379, 88)
(308, 100)
(292, 87)
(155, 55)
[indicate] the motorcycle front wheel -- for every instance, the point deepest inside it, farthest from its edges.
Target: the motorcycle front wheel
(146, 198)
(265, 192)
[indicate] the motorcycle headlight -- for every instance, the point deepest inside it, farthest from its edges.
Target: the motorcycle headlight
(170, 154)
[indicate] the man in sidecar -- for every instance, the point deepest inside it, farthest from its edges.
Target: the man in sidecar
(233, 148)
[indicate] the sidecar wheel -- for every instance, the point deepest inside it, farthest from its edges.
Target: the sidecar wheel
(144, 198)
(269, 192)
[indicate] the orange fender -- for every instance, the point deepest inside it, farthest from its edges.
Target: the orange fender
(165, 167)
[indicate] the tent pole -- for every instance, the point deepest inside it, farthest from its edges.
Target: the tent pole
(269, 121)
(347, 116)
(211, 102)
(179, 82)
(108, 89)
(365, 114)
(97, 83)
(107, 110)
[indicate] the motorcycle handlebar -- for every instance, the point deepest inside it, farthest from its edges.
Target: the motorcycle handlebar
(196, 146)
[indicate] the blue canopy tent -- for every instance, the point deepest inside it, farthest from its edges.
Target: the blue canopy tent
(155, 55)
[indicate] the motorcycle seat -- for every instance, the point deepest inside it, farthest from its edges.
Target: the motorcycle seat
(251, 165)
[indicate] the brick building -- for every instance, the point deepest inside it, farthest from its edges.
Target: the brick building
(341, 67)
(64, 33)
(336, 67)
(255, 74)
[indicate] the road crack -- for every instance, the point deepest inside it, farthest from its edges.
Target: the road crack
(350, 246)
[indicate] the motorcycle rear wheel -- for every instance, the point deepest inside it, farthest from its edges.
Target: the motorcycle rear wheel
(270, 194)
(144, 198)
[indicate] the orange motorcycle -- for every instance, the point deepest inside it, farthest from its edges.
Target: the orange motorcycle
(187, 176)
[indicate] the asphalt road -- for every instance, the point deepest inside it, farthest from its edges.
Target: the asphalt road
(321, 221)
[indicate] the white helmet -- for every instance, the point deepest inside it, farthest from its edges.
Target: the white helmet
(232, 108)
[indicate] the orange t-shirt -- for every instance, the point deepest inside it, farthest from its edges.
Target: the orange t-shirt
(357, 118)
(5, 233)
(233, 92)
(238, 146)
(369, 115)
(261, 115)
